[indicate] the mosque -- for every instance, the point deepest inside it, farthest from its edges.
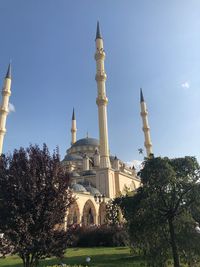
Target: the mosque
(96, 175)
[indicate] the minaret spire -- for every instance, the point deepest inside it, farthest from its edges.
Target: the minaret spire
(6, 92)
(98, 32)
(102, 100)
(146, 129)
(8, 74)
(141, 96)
(73, 129)
(73, 115)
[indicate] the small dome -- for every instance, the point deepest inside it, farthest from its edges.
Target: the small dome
(74, 174)
(94, 191)
(86, 142)
(78, 188)
(72, 157)
(89, 172)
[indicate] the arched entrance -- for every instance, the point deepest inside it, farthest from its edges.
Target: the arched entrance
(89, 214)
(73, 216)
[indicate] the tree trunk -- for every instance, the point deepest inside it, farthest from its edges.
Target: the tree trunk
(173, 244)
(27, 261)
(30, 260)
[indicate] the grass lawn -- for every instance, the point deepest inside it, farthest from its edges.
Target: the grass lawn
(100, 257)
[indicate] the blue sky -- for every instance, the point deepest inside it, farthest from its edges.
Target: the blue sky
(151, 44)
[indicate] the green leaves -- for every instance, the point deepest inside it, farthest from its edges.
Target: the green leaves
(170, 190)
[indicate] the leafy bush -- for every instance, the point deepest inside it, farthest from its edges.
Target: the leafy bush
(96, 236)
(64, 265)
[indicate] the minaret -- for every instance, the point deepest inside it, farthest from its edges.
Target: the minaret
(86, 164)
(116, 163)
(102, 101)
(96, 158)
(6, 92)
(73, 129)
(146, 129)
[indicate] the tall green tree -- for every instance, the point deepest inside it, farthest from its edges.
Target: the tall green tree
(33, 203)
(169, 192)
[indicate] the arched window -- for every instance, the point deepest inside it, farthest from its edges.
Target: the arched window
(89, 213)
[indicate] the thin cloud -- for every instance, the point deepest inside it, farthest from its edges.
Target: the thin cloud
(185, 85)
(11, 108)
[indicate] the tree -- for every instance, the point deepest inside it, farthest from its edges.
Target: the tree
(33, 203)
(188, 239)
(113, 214)
(170, 190)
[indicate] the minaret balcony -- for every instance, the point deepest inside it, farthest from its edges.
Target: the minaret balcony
(145, 129)
(144, 113)
(4, 110)
(6, 92)
(2, 130)
(102, 101)
(100, 55)
(101, 77)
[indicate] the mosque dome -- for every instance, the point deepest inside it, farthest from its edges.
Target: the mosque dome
(72, 157)
(86, 142)
(78, 188)
(94, 191)
(89, 172)
(74, 174)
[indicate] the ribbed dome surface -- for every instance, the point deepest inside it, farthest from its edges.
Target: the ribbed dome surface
(86, 142)
(92, 190)
(89, 172)
(78, 188)
(74, 174)
(72, 157)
